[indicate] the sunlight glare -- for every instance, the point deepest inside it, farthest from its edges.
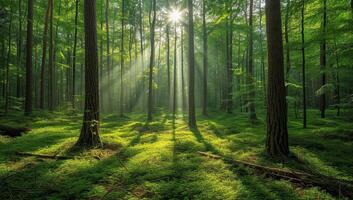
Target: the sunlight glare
(175, 15)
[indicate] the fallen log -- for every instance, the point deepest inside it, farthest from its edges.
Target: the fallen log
(44, 156)
(332, 185)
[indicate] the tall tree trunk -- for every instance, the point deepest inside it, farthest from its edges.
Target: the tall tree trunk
(251, 68)
(303, 64)
(142, 53)
(74, 57)
(323, 61)
(51, 59)
(277, 132)
(89, 136)
(229, 51)
(337, 85)
(286, 27)
(192, 118)
(168, 66)
(182, 69)
(109, 91)
(8, 62)
(150, 78)
(122, 59)
(205, 58)
(263, 73)
(175, 71)
(19, 50)
(29, 75)
(44, 54)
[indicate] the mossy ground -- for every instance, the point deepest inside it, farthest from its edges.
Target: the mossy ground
(160, 160)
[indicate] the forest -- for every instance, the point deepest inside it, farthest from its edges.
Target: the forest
(176, 99)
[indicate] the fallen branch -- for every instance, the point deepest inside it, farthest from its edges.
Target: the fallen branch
(44, 156)
(331, 185)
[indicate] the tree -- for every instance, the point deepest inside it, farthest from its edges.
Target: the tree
(303, 64)
(205, 58)
(323, 61)
(19, 50)
(29, 49)
(51, 59)
(152, 20)
(8, 62)
(122, 59)
(191, 58)
(108, 55)
(74, 56)
(44, 54)
(229, 57)
(277, 132)
(175, 71)
(89, 136)
(250, 66)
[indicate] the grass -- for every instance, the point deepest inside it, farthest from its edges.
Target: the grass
(159, 160)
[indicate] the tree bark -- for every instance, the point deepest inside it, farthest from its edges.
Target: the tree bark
(110, 100)
(51, 59)
(192, 118)
(89, 136)
(286, 27)
(277, 132)
(44, 54)
(251, 68)
(303, 64)
(152, 55)
(205, 59)
(323, 61)
(74, 56)
(122, 59)
(29, 75)
(175, 72)
(19, 51)
(8, 62)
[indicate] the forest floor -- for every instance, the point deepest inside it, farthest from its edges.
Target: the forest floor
(160, 160)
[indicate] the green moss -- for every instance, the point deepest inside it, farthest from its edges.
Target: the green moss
(159, 160)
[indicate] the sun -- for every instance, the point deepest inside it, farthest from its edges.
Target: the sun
(175, 15)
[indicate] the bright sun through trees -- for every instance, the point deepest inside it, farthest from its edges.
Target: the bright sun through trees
(176, 99)
(175, 15)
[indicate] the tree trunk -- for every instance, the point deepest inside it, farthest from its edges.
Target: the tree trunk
(192, 118)
(205, 58)
(142, 53)
(51, 59)
(89, 136)
(277, 132)
(44, 54)
(263, 73)
(109, 91)
(175, 71)
(150, 76)
(8, 62)
(323, 61)
(182, 70)
(251, 68)
(29, 75)
(19, 51)
(286, 27)
(229, 51)
(74, 57)
(303, 64)
(122, 59)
